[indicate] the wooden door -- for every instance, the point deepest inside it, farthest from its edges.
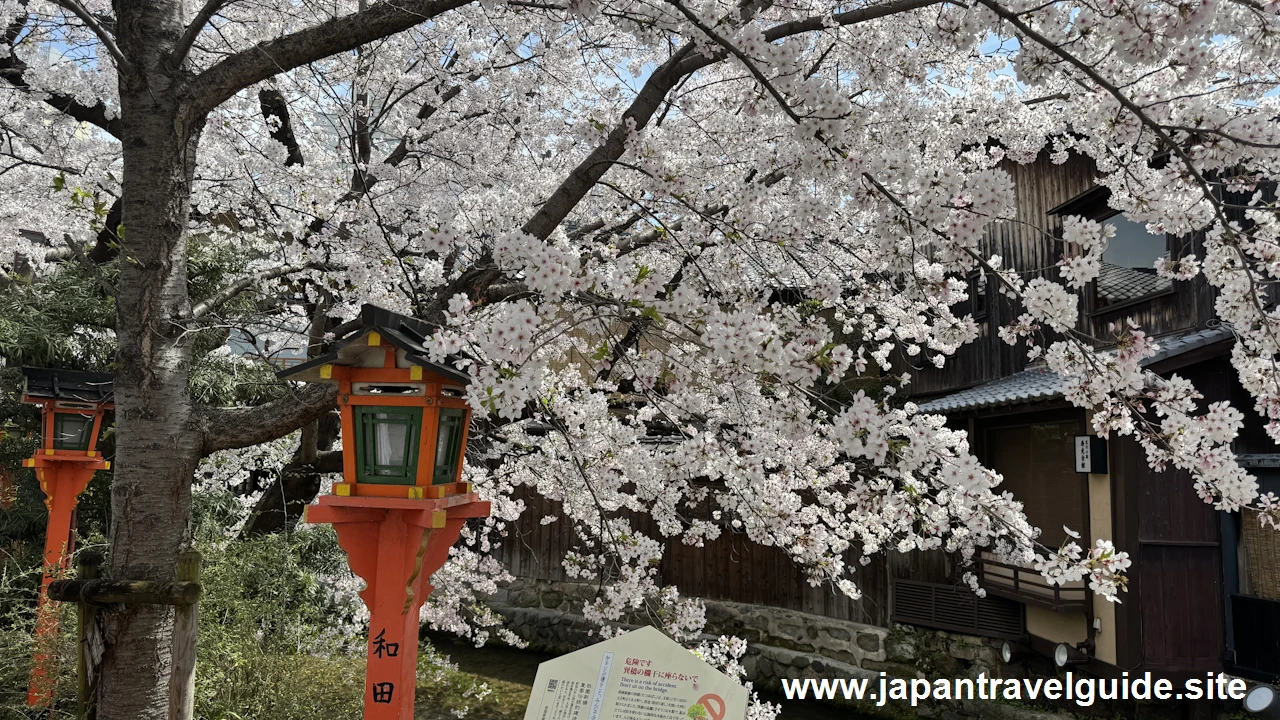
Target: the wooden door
(1178, 568)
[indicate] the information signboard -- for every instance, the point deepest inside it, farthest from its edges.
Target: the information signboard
(642, 675)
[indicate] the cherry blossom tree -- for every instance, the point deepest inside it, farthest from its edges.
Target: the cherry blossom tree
(631, 219)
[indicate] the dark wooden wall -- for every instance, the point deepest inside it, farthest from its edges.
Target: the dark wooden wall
(729, 568)
(1031, 245)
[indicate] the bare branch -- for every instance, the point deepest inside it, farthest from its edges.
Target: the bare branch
(275, 107)
(729, 47)
(231, 291)
(202, 18)
(92, 23)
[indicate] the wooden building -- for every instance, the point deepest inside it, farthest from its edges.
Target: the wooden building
(1204, 591)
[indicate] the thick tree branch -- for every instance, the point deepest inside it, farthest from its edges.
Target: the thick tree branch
(343, 34)
(296, 485)
(202, 18)
(231, 428)
(275, 108)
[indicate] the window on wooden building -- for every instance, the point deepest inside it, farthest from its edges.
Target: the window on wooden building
(978, 295)
(1037, 462)
(1253, 591)
(1128, 273)
(1038, 466)
(1128, 264)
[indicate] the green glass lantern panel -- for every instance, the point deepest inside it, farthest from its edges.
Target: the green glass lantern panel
(448, 445)
(387, 444)
(71, 431)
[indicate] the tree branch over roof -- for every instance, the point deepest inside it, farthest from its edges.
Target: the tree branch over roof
(215, 85)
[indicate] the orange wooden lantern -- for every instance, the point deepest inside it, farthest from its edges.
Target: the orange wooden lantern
(72, 404)
(402, 502)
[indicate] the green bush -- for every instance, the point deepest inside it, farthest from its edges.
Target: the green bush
(275, 640)
(19, 589)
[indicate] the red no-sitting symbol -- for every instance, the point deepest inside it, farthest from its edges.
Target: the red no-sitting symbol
(714, 705)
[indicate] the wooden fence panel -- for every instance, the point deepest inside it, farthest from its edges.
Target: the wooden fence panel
(730, 568)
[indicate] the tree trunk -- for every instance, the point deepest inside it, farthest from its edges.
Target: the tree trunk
(159, 441)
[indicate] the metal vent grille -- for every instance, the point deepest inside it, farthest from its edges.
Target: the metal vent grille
(955, 609)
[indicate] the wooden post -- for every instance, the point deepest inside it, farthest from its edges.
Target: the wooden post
(182, 681)
(89, 568)
(90, 591)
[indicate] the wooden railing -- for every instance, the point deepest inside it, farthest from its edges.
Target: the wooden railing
(1029, 586)
(957, 609)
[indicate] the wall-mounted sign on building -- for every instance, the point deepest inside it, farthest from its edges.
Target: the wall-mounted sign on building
(642, 675)
(1091, 454)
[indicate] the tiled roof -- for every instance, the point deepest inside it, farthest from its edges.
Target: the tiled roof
(1041, 383)
(74, 385)
(1175, 345)
(1037, 383)
(400, 331)
(1117, 283)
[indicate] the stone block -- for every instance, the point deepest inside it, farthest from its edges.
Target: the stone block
(839, 634)
(901, 648)
(795, 632)
(869, 642)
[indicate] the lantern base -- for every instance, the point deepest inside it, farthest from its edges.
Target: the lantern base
(395, 544)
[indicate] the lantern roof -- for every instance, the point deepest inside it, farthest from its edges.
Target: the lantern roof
(77, 385)
(408, 334)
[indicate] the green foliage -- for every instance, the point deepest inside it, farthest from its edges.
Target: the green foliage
(19, 588)
(219, 378)
(274, 642)
(279, 636)
(62, 320)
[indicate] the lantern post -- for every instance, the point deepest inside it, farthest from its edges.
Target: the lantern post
(402, 503)
(72, 405)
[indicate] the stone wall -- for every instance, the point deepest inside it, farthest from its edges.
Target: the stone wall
(790, 644)
(784, 644)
